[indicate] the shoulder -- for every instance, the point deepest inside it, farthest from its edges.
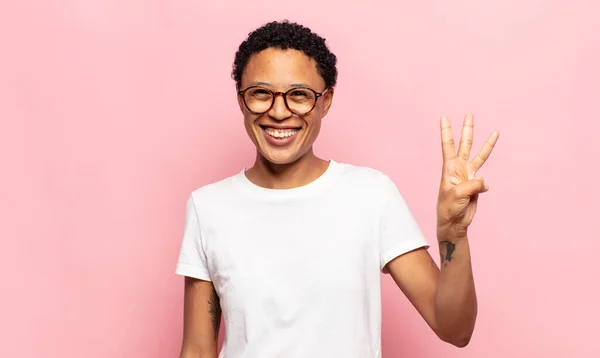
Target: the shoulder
(213, 193)
(363, 175)
(367, 184)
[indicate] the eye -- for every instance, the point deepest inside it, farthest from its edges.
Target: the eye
(300, 95)
(260, 93)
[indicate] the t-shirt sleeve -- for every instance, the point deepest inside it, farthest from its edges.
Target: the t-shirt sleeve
(192, 257)
(399, 231)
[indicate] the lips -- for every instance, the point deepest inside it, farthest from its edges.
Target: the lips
(279, 127)
(280, 136)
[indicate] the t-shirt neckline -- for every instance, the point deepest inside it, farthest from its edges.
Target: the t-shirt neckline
(317, 185)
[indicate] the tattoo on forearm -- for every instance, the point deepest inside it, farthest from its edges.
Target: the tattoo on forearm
(215, 312)
(446, 251)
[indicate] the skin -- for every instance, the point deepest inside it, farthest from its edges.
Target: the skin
(444, 297)
(201, 320)
(296, 165)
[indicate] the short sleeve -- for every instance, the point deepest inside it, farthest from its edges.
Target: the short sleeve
(399, 231)
(192, 258)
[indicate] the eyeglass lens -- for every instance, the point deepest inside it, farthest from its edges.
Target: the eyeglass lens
(299, 100)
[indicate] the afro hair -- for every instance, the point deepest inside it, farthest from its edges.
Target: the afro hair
(287, 35)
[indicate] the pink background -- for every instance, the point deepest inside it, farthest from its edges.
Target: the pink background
(111, 112)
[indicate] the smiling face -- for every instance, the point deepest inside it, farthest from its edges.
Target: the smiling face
(280, 136)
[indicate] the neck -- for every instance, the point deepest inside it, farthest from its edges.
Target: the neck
(286, 176)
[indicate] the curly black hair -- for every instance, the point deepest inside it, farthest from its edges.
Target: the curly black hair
(287, 35)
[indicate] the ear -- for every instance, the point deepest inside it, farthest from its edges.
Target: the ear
(240, 100)
(327, 100)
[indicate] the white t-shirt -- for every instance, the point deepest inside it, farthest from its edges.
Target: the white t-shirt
(298, 270)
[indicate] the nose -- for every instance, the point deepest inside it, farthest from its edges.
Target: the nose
(279, 110)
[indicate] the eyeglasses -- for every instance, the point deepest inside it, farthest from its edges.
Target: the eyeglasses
(299, 101)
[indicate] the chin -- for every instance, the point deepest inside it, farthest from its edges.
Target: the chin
(280, 158)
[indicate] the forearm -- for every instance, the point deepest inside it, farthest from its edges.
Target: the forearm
(455, 298)
(201, 321)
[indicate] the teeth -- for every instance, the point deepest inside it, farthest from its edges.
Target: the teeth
(281, 133)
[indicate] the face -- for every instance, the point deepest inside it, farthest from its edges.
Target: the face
(279, 135)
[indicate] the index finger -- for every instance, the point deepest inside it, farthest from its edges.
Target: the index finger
(448, 148)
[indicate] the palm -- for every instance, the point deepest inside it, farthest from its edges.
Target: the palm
(460, 187)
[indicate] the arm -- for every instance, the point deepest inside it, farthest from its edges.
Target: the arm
(446, 299)
(455, 298)
(201, 320)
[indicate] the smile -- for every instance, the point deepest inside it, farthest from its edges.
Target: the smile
(280, 136)
(281, 133)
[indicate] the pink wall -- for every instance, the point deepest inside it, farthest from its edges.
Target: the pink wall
(112, 111)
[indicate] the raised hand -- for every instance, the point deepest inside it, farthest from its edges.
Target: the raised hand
(460, 187)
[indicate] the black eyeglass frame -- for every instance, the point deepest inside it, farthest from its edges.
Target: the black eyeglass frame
(284, 95)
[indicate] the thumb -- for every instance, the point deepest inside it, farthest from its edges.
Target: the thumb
(471, 187)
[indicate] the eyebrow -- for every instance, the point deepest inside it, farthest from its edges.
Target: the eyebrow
(293, 85)
(302, 85)
(266, 84)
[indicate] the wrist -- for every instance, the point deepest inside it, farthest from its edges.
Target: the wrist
(453, 245)
(451, 234)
